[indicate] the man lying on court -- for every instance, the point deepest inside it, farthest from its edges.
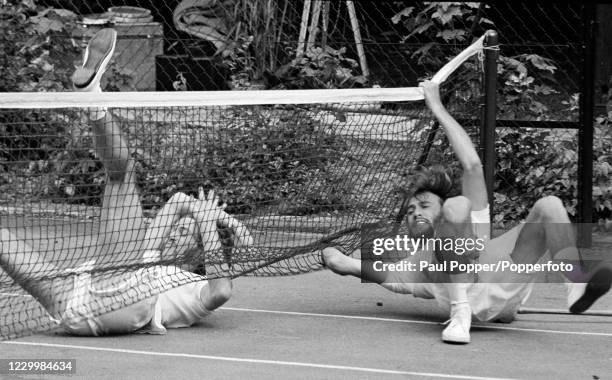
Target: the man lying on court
(183, 224)
(493, 295)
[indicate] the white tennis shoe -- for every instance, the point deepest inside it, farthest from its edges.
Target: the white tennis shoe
(458, 330)
(97, 55)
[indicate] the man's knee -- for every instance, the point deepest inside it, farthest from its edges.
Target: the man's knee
(549, 207)
(456, 210)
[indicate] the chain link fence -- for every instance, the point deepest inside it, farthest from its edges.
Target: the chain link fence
(241, 44)
(541, 63)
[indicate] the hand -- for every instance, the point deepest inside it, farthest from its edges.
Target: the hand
(431, 91)
(213, 212)
(206, 209)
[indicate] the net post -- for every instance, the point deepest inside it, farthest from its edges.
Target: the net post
(585, 131)
(489, 113)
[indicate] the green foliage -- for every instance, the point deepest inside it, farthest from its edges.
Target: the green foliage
(42, 156)
(445, 26)
(116, 80)
(525, 80)
(36, 53)
(253, 158)
(602, 156)
(526, 83)
(531, 163)
(318, 68)
(254, 37)
(240, 62)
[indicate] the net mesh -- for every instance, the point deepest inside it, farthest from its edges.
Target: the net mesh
(299, 175)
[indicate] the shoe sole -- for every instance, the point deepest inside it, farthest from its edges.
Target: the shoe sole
(598, 285)
(455, 340)
(99, 52)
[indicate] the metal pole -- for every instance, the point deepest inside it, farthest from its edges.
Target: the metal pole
(487, 126)
(585, 133)
(303, 29)
(357, 34)
(324, 24)
(314, 25)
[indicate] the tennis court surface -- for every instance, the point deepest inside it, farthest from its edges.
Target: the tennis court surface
(320, 325)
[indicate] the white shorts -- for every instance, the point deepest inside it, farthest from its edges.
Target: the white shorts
(182, 306)
(495, 297)
(179, 306)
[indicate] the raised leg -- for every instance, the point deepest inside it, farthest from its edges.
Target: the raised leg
(121, 224)
(548, 229)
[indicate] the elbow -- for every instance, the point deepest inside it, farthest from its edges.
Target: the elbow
(224, 292)
(181, 201)
(473, 166)
(216, 293)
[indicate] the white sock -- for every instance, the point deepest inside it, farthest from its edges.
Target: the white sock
(457, 292)
(96, 113)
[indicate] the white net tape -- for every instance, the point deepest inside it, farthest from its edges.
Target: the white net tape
(38, 100)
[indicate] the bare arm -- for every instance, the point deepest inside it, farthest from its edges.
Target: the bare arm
(473, 182)
(178, 206)
(206, 212)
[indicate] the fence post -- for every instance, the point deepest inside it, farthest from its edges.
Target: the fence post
(585, 131)
(489, 113)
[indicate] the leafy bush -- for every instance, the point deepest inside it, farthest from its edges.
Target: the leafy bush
(447, 27)
(531, 163)
(602, 156)
(36, 52)
(239, 61)
(37, 55)
(317, 68)
(525, 89)
(444, 25)
(44, 151)
(253, 158)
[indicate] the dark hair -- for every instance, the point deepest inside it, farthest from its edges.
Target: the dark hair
(435, 179)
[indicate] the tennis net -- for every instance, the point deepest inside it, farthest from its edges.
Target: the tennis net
(299, 170)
